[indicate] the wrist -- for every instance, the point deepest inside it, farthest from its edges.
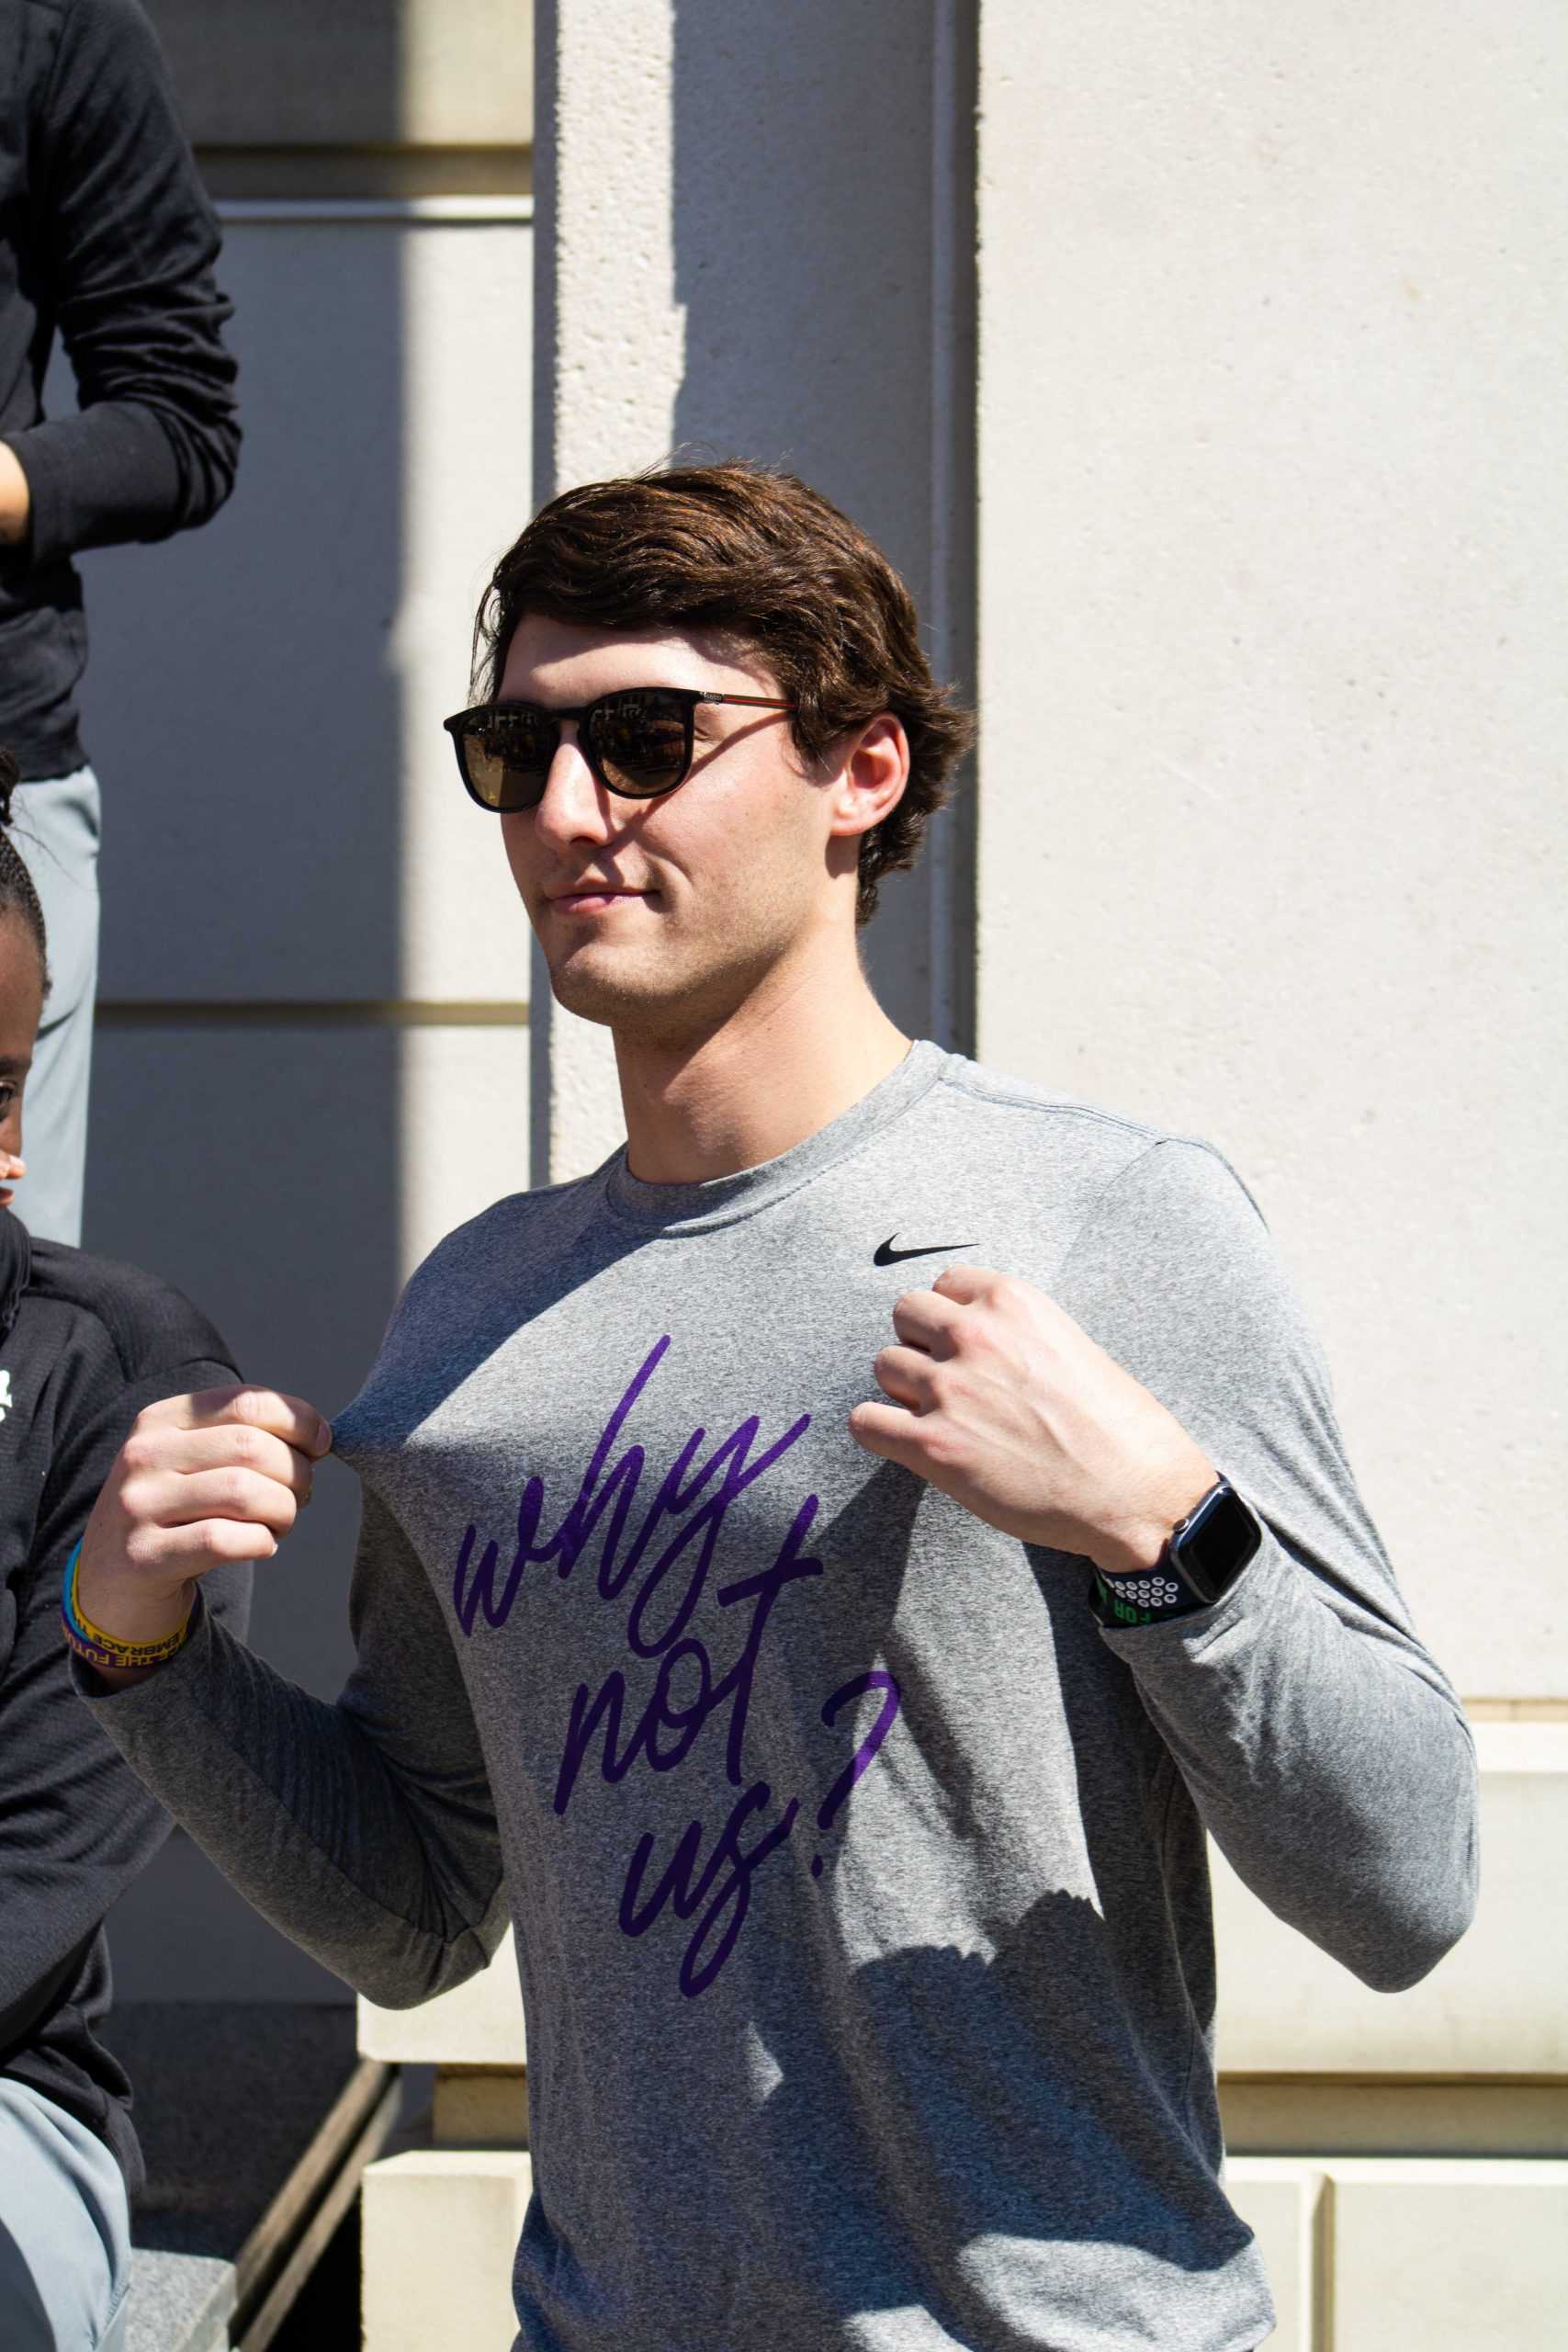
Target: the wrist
(134, 1609)
(118, 1678)
(114, 1655)
(1207, 1550)
(1136, 1546)
(1135, 1550)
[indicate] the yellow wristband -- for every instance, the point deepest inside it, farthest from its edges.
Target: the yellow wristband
(90, 1641)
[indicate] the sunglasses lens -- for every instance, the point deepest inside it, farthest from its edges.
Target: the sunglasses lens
(640, 742)
(507, 755)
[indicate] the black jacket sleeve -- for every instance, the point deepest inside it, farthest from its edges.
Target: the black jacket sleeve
(77, 1825)
(125, 240)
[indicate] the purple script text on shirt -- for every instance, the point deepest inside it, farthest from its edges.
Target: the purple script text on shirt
(686, 1692)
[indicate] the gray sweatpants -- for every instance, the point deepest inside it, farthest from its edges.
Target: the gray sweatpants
(55, 826)
(64, 2233)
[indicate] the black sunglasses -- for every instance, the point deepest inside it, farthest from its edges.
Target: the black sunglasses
(636, 742)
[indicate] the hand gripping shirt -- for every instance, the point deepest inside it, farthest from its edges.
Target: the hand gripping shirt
(858, 1876)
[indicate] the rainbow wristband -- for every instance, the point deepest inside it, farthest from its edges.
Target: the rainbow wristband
(90, 1641)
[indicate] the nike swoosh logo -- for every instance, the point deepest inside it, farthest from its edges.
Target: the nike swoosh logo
(888, 1256)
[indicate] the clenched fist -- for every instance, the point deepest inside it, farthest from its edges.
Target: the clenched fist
(201, 1480)
(997, 1397)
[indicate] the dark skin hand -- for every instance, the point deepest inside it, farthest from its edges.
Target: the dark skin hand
(16, 498)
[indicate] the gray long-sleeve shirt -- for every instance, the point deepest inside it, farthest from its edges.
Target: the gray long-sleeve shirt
(858, 1876)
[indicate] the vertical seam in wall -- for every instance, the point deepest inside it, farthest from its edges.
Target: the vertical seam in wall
(546, 168)
(1321, 2273)
(950, 854)
(541, 1030)
(942, 939)
(546, 340)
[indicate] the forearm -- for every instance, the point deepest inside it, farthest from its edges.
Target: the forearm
(365, 1830)
(294, 1802)
(125, 245)
(124, 468)
(1329, 1761)
(77, 1826)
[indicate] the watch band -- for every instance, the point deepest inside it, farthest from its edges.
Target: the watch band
(1146, 1598)
(1203, 1556)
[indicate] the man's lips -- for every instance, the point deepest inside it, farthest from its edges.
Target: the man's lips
(585, 898)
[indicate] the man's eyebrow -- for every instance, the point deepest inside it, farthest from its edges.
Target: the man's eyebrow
(14, 1065)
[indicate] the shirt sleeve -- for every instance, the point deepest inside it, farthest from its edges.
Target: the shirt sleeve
(126, 244)
(77, 1825)
(1325, 1750)
(363, 1830)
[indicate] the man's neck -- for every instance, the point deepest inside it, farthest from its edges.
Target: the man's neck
(775, 1073)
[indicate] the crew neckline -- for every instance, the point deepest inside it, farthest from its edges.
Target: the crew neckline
(721, 1200)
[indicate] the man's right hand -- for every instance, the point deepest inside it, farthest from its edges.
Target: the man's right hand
(201, 1480)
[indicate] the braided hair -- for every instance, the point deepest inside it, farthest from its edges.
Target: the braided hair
(17, 895)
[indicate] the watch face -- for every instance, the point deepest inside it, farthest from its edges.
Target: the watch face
(1218, 1545)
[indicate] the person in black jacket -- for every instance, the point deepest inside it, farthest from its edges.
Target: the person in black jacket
(107, 239)
(84, 1344)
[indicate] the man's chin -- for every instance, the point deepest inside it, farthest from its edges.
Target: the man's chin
(656, 1006)
(581, 984)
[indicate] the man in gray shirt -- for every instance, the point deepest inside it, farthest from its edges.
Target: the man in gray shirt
(824, 1572)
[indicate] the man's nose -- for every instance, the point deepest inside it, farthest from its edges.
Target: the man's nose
(575, 807)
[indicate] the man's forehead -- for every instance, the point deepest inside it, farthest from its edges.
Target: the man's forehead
(555, 659)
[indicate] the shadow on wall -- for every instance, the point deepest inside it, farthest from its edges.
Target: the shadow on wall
(243, 713)
(809, 310)
(245, 718)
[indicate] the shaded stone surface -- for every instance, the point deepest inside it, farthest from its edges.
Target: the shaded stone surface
(230, 2100)
(230, 2096)
(179, 2302)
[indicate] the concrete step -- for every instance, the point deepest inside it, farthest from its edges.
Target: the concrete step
(256, 2119)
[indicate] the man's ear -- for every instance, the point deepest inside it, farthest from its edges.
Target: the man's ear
(873, 771)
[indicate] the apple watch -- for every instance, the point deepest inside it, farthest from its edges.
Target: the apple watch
(1204, 1554)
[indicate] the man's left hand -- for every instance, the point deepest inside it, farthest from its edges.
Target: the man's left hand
(1002, 1401)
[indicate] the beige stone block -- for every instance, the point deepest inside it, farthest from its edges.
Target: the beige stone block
(1283, 2115)
(478, 2024)
(1494, 2005)
(440, 2230)
(1267, 621)
(1449, 2256)
(463, 492)
(251, 738)
(284, 815)
(285, 1227)
(1281, 2203)
(464, 1127)
(468, 73)
(837, 346)
(478, 2106)
(289, 73)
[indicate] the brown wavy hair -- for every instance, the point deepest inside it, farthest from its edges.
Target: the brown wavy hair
(757, 555)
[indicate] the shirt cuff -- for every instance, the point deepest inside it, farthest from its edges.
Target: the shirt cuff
(1193, 1630)
(192, 1659)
